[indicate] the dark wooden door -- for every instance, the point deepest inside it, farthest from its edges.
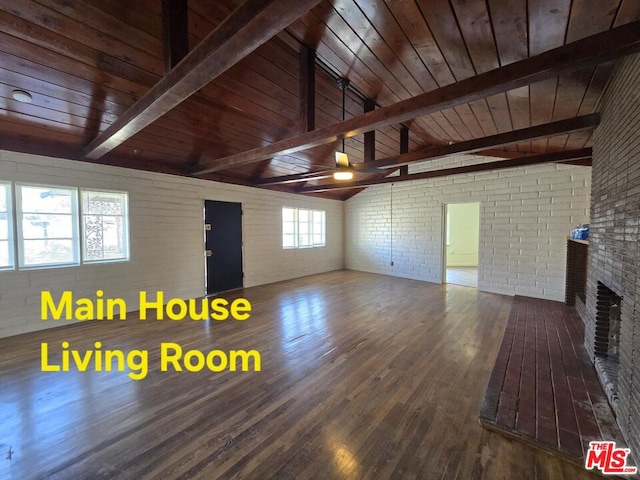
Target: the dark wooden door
(223, 242)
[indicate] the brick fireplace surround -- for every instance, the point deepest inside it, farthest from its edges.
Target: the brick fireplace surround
(614, 253)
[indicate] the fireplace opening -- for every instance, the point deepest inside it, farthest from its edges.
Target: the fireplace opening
(607, 340)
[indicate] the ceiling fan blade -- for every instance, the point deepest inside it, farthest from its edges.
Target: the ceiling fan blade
(342, 160)
(361, 168)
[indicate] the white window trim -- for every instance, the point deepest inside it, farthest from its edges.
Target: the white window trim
(10, 227)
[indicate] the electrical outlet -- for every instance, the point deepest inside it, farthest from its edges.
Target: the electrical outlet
(391, 263)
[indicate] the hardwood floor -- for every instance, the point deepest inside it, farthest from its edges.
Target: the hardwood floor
(363, 376)
(466, 276)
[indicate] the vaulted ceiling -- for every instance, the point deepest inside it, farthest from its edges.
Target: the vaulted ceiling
(86, 63)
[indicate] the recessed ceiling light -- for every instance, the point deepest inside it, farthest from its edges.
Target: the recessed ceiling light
(21, 96)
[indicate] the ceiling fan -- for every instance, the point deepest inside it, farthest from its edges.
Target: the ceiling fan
(344, 169)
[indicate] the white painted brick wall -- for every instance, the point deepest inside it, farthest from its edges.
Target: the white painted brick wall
(525, 217)
(166, 229)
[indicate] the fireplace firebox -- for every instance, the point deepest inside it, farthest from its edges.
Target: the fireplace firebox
(607, 340)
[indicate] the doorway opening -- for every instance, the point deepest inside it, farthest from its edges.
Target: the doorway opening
(223, 246)
(461, 240)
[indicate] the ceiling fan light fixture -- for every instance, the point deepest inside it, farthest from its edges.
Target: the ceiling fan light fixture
(343, 174)
(343, 167)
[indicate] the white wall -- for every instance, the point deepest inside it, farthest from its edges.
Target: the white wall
(526, 215)
(166, 230)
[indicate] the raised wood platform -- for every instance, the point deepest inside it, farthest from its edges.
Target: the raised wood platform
(543, 389)
(363, 376)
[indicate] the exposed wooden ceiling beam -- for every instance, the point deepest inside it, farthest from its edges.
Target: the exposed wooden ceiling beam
(244, 30)
(576, 124)
(570, 125)
(481, 167)
(582, 162)
(404, 147)
(585, 53)
(175, 32)
(500, 153)
(307, 89)
(369, 137)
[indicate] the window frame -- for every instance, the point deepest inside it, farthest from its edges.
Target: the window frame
(125, 227)
(16, 241)
(75, 233)
(310, 230)
(294, 223)
(305, 228)
(9, 211)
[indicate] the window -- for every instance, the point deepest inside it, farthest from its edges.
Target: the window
(6, 228)
(318, 228)
(49, 229)
(289, 227)
(303, 228)
(47, 226)
(104, 226)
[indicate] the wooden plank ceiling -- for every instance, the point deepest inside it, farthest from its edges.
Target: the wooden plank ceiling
(85, 63)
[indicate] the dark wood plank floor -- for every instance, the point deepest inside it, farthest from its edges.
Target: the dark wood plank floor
(363, 376)
(543, 388)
